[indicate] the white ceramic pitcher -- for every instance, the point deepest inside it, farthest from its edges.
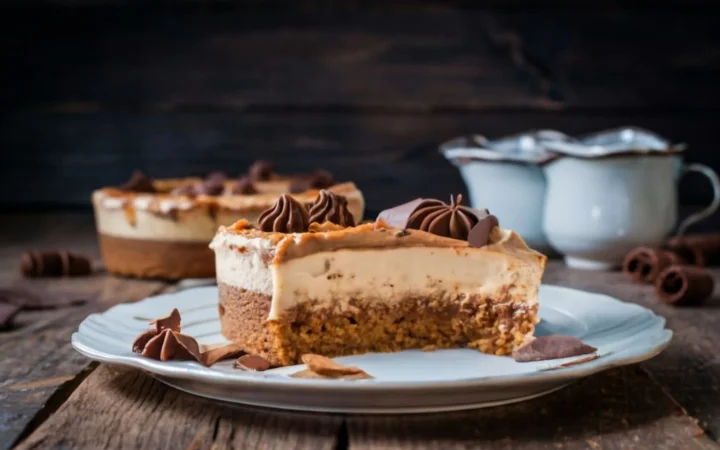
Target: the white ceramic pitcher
(610, 192)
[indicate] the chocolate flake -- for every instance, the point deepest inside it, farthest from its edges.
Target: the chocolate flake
(253, 363)
(54, 263)
(551, 347)
(397, 217)
(327, 368)
(480, 234)
(210, 357)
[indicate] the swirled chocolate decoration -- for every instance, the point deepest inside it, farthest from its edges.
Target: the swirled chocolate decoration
(437, 217)
(330, 207)
(261, 170)
(244, 186)
(286, 216)
(319, 179)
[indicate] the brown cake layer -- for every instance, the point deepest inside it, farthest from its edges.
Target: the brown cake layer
(144, 258)
(491, 325)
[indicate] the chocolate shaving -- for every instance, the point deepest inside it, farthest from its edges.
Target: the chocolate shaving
(286, 216)
(253, 363)
(551, 347)
(8, 312)
(54, 263)
(645, 263)
(322, 367)
(210, 357)
(139, 182)
(479, 236)
(330, 207)
(243, 186)
(261, 171)
(684, 285)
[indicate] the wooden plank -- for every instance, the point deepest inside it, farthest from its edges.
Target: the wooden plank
(688, 370)
(60, 158)
(621, 409)
(39, 367)
(144, 413)
(401, 60)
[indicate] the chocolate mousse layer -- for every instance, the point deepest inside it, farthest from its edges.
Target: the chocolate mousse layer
(491, 325)
(148, 258)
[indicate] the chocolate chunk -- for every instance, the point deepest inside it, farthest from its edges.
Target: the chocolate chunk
(684, 285)
(330, 207)
(187, 190)
(7, 314)
(645, 263)
(480, 234)
(551, 347)
(397, 217)
(210, 357)
(287, 215)
(170, 322)
(210, 187)
(54, 263)
(261, 171)
(252, 363)
(244, 186)
(139, 182)
(216, 176)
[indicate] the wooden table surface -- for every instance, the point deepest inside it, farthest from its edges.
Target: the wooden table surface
(52, 397)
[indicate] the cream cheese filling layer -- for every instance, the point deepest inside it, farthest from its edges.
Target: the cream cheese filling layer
(379, 275)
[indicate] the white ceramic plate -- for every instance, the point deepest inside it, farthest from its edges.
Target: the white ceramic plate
(405, 382)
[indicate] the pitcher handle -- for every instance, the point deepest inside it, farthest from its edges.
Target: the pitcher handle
(712, 207)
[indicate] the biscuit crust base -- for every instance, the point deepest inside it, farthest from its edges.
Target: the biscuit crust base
(494, 326)
(169, 260)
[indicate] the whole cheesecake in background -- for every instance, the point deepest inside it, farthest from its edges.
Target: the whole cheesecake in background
(425, 274)
(161, 228)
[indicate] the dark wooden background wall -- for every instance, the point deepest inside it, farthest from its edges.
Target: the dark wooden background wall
(91, 90)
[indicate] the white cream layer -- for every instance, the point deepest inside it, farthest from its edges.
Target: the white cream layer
(379, 275)
(189, 225)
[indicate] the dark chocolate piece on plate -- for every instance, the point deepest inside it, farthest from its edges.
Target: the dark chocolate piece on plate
(551, 347)
(684, 285)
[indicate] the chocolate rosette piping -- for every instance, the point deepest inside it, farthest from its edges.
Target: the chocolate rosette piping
(330, 207)
(437, 217)
(286, 216)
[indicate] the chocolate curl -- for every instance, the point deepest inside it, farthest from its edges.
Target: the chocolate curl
(684, 285)
(54, 263)
(645, 263)
(702, 249)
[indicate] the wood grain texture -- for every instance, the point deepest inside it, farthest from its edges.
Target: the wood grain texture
(392, 158)
(419, 60)
(689, 369)
(144, 413)
(620, 409)
(37, 359)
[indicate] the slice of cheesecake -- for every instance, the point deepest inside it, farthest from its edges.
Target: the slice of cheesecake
(297, 288)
